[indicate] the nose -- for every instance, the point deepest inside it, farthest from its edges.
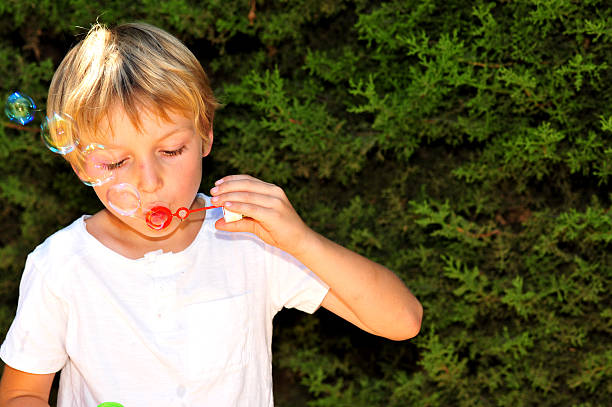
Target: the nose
(149, 176)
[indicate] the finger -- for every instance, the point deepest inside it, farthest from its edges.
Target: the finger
(243, 225)
(257, 212)
(233, 177)
(247, 184)
(264, 200)
(237, 181)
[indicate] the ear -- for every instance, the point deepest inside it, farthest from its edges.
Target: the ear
(207, 144)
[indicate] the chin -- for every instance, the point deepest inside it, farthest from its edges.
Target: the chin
(149, 232)
(139, 226)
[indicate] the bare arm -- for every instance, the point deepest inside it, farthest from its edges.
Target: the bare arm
(26, 401)
(361, 291)
(21, 389)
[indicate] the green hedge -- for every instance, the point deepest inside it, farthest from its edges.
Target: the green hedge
(467, 145)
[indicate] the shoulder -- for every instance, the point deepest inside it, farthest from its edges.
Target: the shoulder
(48, 264)
(61, 248)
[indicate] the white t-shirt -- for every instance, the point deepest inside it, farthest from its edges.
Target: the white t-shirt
(170, 329)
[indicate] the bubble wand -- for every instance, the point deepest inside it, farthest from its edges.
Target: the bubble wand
(159, 217)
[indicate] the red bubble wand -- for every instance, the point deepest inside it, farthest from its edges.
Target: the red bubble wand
(159, 217)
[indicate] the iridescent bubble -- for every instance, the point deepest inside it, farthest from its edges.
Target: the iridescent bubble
(94, 164)
(20, 108)
(123, 198)
(59, 133)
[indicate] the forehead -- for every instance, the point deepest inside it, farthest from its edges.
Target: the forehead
(118, 124)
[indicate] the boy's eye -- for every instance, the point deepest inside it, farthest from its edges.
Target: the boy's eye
(118, 164)
(174, 152)
(113, 166)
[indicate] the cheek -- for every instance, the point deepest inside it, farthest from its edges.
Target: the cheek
(189, 174)
(101, 192)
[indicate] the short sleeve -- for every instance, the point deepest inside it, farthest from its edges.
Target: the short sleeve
(292, 284)
(35, 342)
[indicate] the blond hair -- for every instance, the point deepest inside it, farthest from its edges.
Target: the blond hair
(134, 66)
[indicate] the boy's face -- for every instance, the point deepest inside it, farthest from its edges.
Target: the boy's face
(163, 161)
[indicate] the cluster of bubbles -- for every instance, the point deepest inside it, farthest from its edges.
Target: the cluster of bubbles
(93, 163)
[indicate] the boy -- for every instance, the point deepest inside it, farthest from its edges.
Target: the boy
(180, 316)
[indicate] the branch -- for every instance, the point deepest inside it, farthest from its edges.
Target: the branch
(19, 127)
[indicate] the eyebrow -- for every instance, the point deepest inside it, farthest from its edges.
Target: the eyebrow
(175, 130)
(165, 136)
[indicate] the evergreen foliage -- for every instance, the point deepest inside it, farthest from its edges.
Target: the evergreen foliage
(466, 145)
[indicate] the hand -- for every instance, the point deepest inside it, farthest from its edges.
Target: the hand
(269, 214)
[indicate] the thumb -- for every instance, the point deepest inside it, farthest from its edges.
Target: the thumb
(243, 225)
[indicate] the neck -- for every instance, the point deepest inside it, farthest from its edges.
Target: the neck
(131, 243)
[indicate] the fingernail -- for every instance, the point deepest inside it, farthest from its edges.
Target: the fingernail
(214, 190)
(218, 182)
(227, 204)
(214, 198)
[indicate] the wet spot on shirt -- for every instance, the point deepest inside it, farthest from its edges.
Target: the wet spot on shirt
(180, 391)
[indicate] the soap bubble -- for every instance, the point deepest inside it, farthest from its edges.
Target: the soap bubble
(20, 108)
(59, 133)
(94, 164)
(123, 198)
(159, 217)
